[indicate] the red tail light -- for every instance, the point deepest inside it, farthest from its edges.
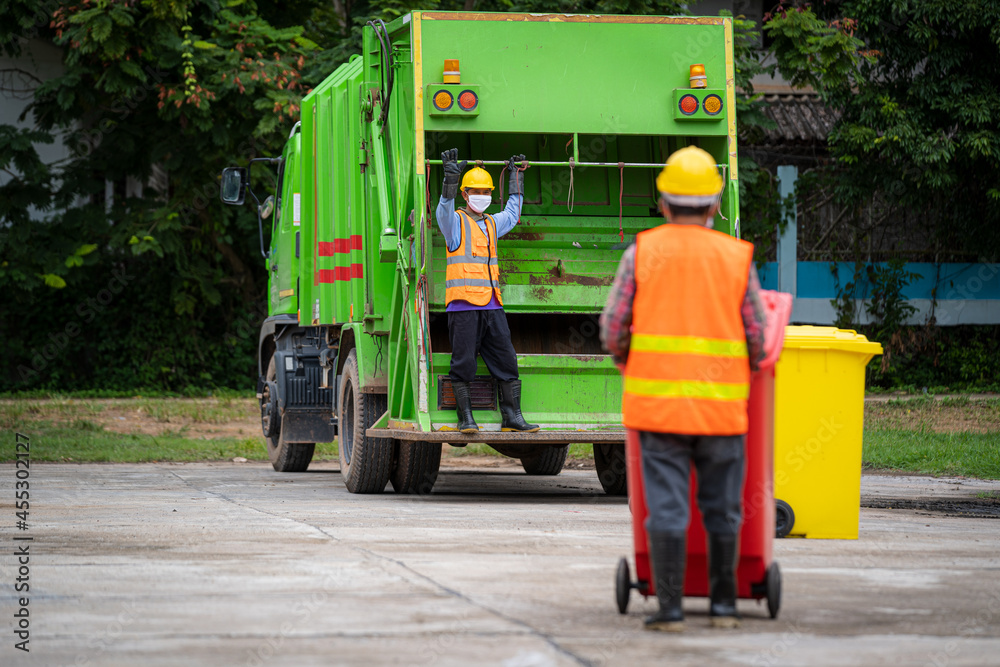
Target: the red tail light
(468, 100)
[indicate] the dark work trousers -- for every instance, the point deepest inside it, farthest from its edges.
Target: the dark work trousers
(485, 332)
(666, 475)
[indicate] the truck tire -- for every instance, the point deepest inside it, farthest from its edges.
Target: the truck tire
(365, 463)
(285, 456)
(609, 459)
(548, 461)
(416, 468)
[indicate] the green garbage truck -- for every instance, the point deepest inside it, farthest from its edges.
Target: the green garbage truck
(355, 346)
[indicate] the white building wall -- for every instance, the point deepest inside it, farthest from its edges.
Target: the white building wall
(19, 76)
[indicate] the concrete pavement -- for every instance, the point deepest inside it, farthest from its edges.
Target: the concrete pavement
(234, 564)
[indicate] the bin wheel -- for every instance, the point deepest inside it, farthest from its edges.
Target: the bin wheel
(623, 585)
(773, 584)
(784, 518)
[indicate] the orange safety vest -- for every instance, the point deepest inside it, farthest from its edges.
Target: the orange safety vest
(688, 370)
(473, 273)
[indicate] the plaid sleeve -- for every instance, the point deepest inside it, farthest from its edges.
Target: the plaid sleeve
(616, 320)
(754, 319)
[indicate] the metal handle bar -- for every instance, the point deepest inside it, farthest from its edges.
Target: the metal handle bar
(533, 163)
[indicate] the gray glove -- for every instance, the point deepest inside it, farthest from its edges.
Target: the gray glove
(516, 176)
(452, 172)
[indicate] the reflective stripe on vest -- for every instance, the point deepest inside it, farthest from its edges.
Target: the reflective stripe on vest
(710, 347)
(473, 272)
(687, 369)
(719, 391)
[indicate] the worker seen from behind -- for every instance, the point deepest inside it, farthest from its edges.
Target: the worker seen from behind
(685, 319)
(477, 324)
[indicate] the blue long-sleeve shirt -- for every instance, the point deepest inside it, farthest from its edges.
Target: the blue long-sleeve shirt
(450, 225)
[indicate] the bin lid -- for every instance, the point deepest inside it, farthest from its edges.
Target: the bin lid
(829, 338)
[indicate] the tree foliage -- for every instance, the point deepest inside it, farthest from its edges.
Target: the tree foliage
(170, 88)
(917, 87)
(162, 286)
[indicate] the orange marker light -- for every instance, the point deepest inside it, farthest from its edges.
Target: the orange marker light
(451, 72)
(688, 104)
(712, 105)
(698, 78)
(468, 100)
(443, 100)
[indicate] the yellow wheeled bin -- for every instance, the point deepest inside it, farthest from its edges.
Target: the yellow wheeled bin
(819, 405)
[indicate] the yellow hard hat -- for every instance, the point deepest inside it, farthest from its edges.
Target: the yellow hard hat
(690, 178)
(477, 177)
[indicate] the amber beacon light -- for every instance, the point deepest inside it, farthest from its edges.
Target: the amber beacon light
(451, 72)
(698, 78)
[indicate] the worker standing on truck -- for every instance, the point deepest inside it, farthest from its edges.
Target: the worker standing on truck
(476, 321)
(685, 320)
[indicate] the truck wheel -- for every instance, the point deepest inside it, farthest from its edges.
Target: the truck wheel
(285, 456)
(416, 468)
(609, 459)
(548, 461)
(365, 463)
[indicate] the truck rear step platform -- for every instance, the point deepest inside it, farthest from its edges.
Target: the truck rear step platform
(490, 437)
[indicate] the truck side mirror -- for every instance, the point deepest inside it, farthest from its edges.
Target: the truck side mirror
(234, 185)
(266, 208)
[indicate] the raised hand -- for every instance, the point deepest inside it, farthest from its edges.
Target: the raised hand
(516, 175)
(452, 172)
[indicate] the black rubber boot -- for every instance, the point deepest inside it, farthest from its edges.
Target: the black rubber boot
(463, 403)
(667, 559)
(722, 555)
(510, 408)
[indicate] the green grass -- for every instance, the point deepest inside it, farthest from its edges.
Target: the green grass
(14, 413)
(85, 441)
(955, 454)
(917, 390)
(950, 436)
(220, 412)
(188, 392)
(929, 402)
(988, 495)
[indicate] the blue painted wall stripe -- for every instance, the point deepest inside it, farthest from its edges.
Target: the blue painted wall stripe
(954, 281)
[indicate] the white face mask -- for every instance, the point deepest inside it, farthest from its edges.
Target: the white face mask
(480, 203)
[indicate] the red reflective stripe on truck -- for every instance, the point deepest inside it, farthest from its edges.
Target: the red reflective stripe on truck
(341, 273)
(333, 275)
(328, 248)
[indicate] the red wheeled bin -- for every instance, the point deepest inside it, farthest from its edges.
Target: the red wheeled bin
(757, 575)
